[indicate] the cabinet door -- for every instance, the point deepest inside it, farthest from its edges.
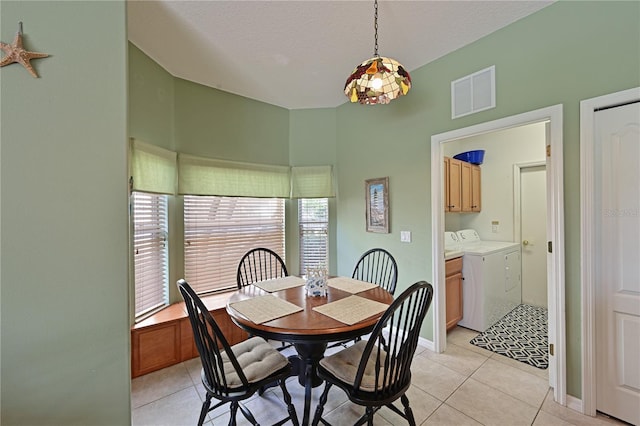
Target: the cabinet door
(476, 194)
(455, 173)
(454, 300)
(466, 185)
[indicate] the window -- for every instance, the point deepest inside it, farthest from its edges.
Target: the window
(150, 251)
(313, 219)
(218, 231)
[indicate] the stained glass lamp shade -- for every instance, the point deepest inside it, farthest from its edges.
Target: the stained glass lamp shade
(378, 80)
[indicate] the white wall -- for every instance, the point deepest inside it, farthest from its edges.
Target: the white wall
(503, 149)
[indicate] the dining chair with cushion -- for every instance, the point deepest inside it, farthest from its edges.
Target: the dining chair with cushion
(377, 372)
(379, 267)
(260, 264)
(376, 266)
(233, 373)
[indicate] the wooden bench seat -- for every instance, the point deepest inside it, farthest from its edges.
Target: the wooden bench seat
(165, 338)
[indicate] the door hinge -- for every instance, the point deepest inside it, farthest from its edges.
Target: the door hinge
(549, 247)
(551, 349)
(548, 150)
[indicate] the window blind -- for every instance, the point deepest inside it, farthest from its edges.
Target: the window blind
(313, 220)
(150, 250)
(220, 230)
(153, 169)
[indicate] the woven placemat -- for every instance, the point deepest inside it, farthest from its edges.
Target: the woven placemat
(265, 308)
(352, 309)
(350, 285)
(278, 284)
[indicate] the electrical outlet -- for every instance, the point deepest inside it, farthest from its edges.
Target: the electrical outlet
(405, 236)
(494, 226)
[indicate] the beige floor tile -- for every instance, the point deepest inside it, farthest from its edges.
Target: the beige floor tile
(512, 381)
(435, 379)
(573, 417)
(347, 414)
(546, 419)
(489, 406)
(461, 336)
(267, 409)
(457, 358)
(449, 416)
(421, 403)
(180, 408)
(161, 383)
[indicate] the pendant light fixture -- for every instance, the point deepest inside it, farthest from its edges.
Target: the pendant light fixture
(378, 80)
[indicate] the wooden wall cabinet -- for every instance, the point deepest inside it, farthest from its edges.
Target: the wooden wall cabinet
(452, 185)
(166, 338)
(462, 186)
(453, 294)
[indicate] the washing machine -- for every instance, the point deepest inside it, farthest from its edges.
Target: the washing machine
(492, 284)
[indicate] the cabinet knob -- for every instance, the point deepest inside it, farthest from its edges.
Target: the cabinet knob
(525, 242)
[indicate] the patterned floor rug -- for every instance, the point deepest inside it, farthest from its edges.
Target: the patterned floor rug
(521, 335)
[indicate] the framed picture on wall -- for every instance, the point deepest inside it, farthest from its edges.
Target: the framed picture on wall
(377, 205)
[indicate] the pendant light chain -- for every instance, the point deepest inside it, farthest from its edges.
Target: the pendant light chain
(378, 80)
(375, 27)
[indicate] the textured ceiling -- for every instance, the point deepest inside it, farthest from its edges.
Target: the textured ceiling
(298, 54)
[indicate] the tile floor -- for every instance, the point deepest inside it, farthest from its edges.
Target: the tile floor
(466, 385)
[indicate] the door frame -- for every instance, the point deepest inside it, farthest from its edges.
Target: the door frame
(588, 108)
(555, 204)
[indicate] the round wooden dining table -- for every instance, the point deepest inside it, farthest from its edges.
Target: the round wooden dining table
(309, 331)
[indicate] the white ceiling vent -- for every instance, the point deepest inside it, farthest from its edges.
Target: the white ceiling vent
(473, 93)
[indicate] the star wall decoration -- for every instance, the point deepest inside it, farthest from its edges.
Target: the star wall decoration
(16, 53)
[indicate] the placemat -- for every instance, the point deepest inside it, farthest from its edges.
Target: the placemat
(350, 285)
(261, 309)
(352, 309)
(278, 284)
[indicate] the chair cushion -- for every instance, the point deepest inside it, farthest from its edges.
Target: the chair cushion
(257, 358)
(344, 365)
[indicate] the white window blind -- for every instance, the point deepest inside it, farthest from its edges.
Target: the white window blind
(313, 220)
(220, 230)
(150, 251)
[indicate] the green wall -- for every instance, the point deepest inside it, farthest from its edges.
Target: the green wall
(563, 54)
(216, 124)
(151, 100)
(63, 270)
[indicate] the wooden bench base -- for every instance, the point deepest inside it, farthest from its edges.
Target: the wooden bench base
(165, 338)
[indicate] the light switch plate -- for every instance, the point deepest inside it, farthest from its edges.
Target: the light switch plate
(405, 236)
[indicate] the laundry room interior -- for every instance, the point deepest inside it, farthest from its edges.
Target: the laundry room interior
(510, 224)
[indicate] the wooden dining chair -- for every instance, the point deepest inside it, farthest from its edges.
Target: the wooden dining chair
(377, 372)
(379, 267)
(375, 266)
(233, 373)
(260, 264)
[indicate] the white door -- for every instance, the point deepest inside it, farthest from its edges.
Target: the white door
(533, 225)
(617, 261)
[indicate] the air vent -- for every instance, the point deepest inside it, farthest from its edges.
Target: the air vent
(473, 93)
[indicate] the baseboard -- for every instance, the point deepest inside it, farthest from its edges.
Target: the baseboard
(426, 343)
(574, 403)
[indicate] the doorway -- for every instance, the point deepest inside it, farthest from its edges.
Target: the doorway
(555, 232)
(609, 164)
(530, 199)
